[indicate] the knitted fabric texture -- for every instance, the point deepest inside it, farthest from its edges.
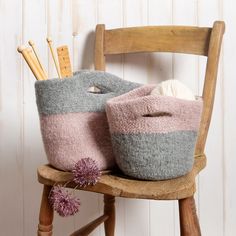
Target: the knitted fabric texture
(153, 147)
(73, 121)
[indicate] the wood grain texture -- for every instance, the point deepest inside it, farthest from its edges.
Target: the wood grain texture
(32, 62)
(99, 57)
(87, 229)
(52, 51)
(157, 39)
(189, 225)
(46, 214)
(121, 186)
(210, 83)
(109, 210)
(64, 61)
(33, 46)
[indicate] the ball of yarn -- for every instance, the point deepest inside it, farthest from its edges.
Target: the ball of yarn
(173, 88)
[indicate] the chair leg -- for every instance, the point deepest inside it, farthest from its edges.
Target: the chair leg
(189, 224)
(46, 214)
(109, 209)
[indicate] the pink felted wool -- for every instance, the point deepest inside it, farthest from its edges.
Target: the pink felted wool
(131, 113)
(69, 137)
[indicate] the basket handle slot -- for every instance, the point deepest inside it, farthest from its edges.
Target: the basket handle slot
(95, 90)
(158, 114)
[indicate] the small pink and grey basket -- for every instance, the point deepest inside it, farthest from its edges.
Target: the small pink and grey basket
(153, 137)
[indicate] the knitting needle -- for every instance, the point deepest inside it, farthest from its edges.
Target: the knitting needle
(31, 43)
(36, 64)
(64, 61)
(49, 40)
(32, 62)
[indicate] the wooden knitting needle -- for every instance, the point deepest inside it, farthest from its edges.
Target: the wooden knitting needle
(32, 62)
(31, 43)
(37, 67)
(36, 64)
(64, 61)
(49, 40)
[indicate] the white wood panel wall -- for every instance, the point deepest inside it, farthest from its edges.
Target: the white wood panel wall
(72, 22)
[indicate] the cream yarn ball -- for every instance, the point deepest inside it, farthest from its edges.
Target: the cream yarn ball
(173, 88)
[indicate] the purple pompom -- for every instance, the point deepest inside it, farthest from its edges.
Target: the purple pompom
(63, 202)
(86, 172)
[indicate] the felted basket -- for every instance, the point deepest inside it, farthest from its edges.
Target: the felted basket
(153, 137)
(73, 120)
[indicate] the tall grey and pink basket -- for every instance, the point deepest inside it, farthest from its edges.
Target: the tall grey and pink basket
(148, 136)
(73, 119)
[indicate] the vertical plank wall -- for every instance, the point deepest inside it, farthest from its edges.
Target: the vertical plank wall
(72, 22)
(11, 121)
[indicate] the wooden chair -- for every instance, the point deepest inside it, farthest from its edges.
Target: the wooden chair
(178, 39)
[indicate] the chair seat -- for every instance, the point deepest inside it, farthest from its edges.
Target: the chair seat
(123, 186)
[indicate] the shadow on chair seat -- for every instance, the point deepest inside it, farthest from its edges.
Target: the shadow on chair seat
(119, 186)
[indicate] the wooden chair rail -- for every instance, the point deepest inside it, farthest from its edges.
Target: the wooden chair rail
(210, 83)
(87, 229)
(177, 39)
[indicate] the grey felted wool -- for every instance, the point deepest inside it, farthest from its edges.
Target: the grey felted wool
(58, 96)
(73, 120)
(149, 156)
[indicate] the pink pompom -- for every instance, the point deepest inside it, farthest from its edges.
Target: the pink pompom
(63, 202)
(86, 172)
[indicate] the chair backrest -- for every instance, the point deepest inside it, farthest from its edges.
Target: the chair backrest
(177, 39)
